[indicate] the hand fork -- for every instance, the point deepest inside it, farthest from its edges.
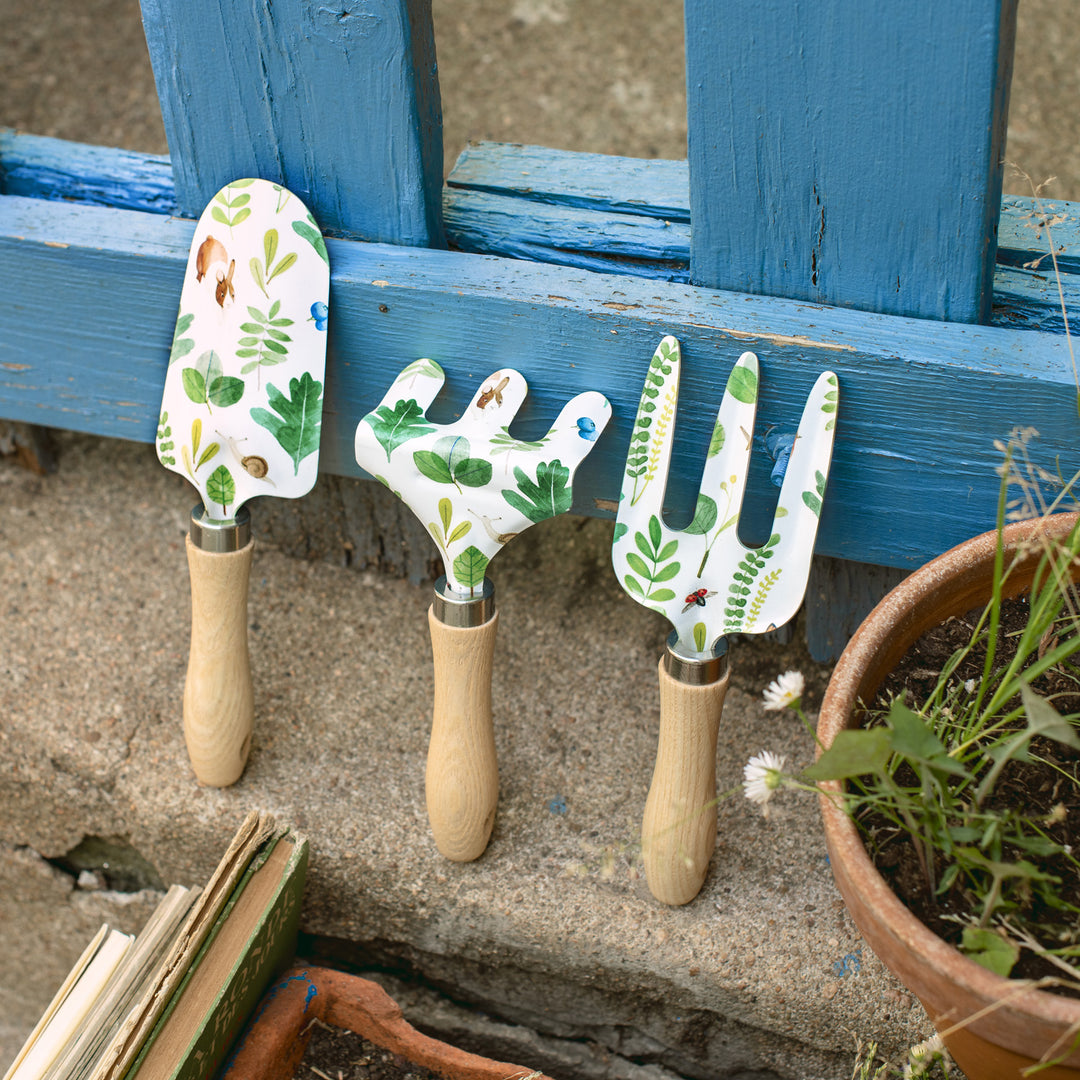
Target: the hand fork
(475, 487)
(709, 585)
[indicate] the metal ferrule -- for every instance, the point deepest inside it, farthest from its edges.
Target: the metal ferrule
(220, 536)
(453, 609)
(695, 669)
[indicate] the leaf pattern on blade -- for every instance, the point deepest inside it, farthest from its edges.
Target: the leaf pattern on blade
(221, 487)
(469, 567)
(449, 463)
(206, 384)
(549, 494)
(299, 421)
(392, 427)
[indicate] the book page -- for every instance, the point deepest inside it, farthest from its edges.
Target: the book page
(76, 1005)
(58, 999)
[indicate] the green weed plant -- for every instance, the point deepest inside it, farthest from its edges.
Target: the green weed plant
(934, 770)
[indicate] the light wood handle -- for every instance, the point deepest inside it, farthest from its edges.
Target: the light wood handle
(678, 830)
(218, 707)
(462, 779)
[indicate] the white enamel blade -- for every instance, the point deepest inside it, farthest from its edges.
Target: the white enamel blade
(473, 484)
(241, 410)
(703, 579)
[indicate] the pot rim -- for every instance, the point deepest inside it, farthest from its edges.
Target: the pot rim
(895, 623)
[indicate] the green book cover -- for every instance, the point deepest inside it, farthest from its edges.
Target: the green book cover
(253, 938)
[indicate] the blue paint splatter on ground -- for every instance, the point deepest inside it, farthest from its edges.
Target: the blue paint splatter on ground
(557, 805)
(848, 965)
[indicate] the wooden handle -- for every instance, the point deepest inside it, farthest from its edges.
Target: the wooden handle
(218, 708)
(462, 780)
(678, 830)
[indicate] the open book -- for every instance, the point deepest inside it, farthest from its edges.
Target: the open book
(167, 1004)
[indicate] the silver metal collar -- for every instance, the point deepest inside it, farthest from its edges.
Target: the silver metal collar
(220, 536)
(453, 609)
(695, 669)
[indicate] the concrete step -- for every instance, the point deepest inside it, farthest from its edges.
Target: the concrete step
(763, 975)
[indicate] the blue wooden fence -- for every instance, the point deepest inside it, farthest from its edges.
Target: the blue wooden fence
(840, 208)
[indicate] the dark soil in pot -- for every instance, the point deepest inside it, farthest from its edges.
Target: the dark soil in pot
(1041, 787)
(344, 1055)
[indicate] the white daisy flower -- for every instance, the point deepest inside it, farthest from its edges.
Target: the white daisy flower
(784, 691)
(762, 775)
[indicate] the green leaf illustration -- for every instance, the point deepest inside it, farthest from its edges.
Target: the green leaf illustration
(181, 345)
(699, 636)
(210, 452)
(742, 583)
(299, 421)
(705, 514)
(742, 384)
(264, 338)
(648, 438)
(265, 272)
(648, 563)
(830, 402)
(236, 209)
(221, 488)
(716, 443)
(309, 231)
(544, 497)
(813, 498)
(394, 426)
(449, 463)
(165, 443)
(206, 384)
(446, 536)
(469, 567)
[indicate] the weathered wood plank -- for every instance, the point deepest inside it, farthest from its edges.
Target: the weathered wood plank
(621, 185)
(44, 168)
(640, 244)
(848, 153)
(339, 102)
(922, 402)
(565, 220)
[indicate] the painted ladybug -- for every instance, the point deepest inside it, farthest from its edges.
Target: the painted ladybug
(697, 597)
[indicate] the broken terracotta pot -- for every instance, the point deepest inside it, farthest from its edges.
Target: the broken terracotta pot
(277, 1036)
(993, 1027)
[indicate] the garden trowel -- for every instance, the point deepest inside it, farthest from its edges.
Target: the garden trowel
(709, 585)
(474, 486)
(240, 416)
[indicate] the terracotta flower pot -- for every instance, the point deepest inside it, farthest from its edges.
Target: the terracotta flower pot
(278, 1034)
(993, 1027)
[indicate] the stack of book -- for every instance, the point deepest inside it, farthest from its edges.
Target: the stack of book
(167, 1004)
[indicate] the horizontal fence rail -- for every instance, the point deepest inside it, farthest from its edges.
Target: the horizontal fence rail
(93, 260)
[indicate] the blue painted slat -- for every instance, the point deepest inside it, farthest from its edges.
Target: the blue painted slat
(849, 153)
(622, 185)
(569, 224)
(638, 244)
(922, 401)
(40, 167)
(339, 102)
(1029, 226)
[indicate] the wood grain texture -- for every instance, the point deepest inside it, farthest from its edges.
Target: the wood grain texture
(218, 702)
(462, 777)
(339, 102)
(849, 154)
(678, 828)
